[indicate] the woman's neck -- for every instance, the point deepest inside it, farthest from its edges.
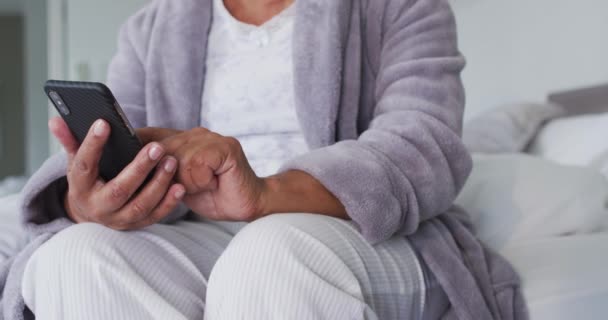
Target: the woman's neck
(256, 12)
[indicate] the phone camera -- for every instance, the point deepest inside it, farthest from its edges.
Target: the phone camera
(59, 103)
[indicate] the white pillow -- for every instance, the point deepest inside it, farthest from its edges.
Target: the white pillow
(518, 197)
(580, 140)
(509, 128)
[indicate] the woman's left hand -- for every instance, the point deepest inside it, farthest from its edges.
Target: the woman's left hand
(219, 182)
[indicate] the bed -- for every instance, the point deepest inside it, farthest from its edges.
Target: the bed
(547, 213)
(539, 195)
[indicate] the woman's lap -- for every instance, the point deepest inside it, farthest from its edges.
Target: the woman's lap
(169, 271)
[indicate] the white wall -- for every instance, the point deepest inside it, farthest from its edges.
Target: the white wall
(92, 35)
(517, 49)
(522, 49)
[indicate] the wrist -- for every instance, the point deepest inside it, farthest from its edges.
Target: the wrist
(297, 191)
(270, 189)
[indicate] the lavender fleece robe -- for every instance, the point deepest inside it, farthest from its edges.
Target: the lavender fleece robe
(380, 101)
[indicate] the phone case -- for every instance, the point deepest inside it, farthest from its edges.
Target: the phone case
(88, 102)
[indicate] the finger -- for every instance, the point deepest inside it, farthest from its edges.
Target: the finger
(196, 173)
(116, 193)
(149, 134)
(84, 171)
(204, 204)
(148, 198)
(202, 169)
(60, 130)
(171, 200)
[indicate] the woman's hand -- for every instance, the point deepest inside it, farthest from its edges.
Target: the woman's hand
(115, 203)
(220, 184)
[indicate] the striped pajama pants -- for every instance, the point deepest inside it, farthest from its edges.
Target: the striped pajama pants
(291, 266)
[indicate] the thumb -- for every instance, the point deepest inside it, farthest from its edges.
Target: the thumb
(62, 132)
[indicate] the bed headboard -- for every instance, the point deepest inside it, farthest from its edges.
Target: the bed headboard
(582, 101)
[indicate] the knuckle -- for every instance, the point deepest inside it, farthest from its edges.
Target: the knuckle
(160, 212)
(200, 130)
(118, 192)
(198, 160)
(185, 178)
(202, 177)
(138, 209)
(233, 143)
(214, 135)
(154, 217)
(140, 168)
(167, 206)
(81, 166)
(159, 181)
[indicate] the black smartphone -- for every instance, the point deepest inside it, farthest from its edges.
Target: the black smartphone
(80, 104)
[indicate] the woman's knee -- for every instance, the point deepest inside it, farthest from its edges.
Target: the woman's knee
(81, 264)
(259, 241)
(79, 247)
(70, 257)
(278, 260)
(81, 242)
(276, 235)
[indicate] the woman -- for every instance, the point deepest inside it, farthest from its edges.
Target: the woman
(351, 112)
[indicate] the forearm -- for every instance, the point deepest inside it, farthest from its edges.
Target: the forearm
(297, 191)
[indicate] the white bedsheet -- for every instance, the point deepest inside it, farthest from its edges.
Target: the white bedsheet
(541, 216)
(564, 277)
(512, 198)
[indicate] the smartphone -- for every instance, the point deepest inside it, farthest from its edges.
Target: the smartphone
(80, 104)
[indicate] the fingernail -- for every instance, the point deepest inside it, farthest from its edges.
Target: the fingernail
(155, 153)
(180, 193)
(170, 165)
(100, 128)
(52, 124)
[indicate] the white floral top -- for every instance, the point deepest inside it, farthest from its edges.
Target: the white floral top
(249, 89)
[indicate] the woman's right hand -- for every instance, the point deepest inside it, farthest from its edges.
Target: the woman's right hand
(115, 203)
